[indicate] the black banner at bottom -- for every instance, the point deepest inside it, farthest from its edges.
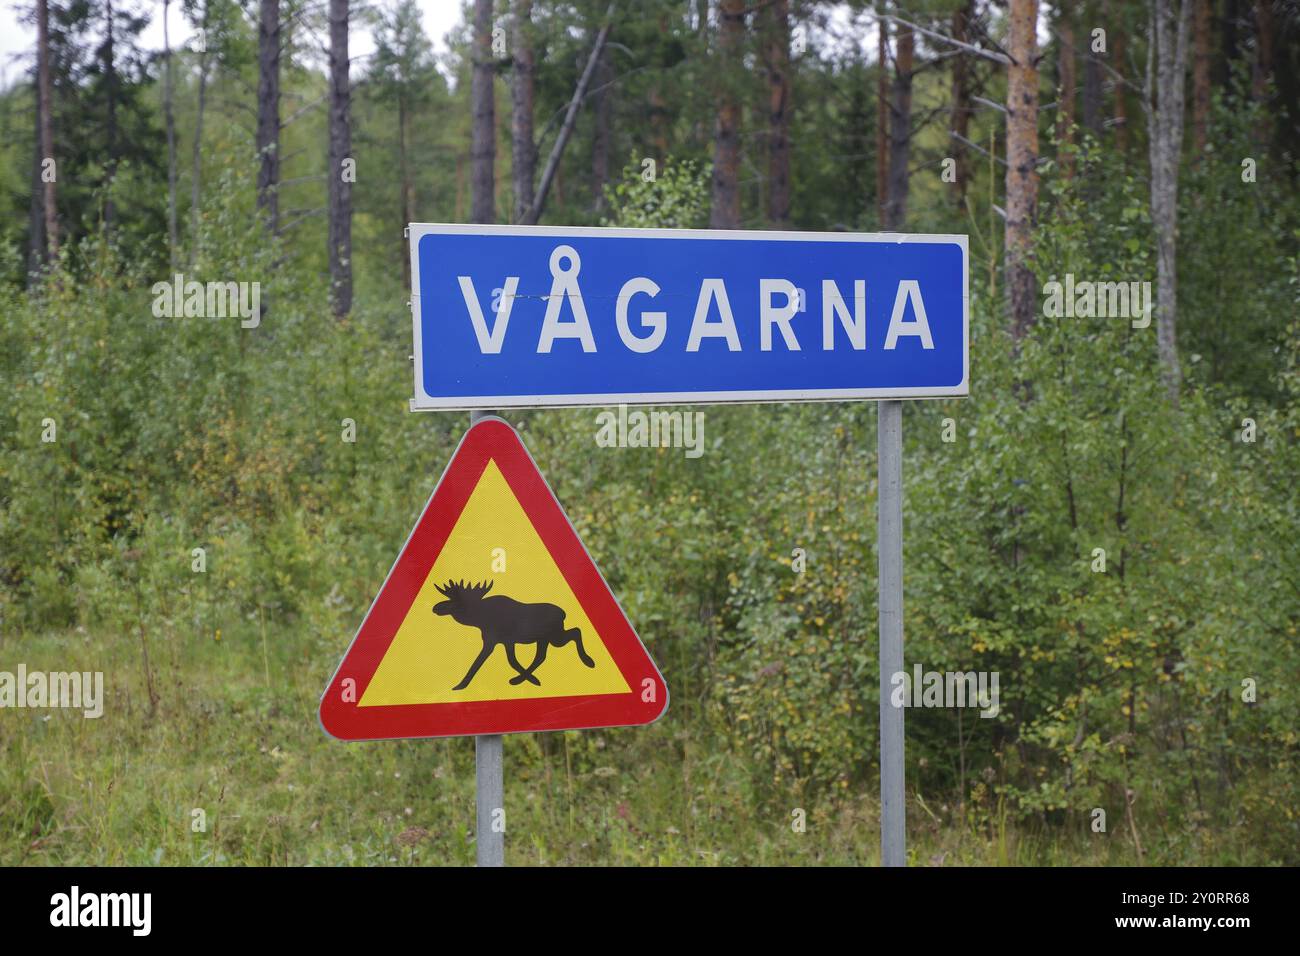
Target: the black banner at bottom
(232, 906)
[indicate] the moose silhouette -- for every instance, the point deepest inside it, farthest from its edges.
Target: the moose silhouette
(505, 621)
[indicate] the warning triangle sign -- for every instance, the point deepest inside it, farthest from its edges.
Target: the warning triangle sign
(494, 619)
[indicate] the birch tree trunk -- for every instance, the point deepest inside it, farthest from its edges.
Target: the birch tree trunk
(1022, 165)
(45, 120)
(1169, 20)
(196, 159)
(961, 98)
(340, 151)
(268, 112)
(169, 119)
(523, 151)
(882, 113)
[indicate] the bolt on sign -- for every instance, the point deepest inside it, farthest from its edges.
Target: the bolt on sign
(494, 618)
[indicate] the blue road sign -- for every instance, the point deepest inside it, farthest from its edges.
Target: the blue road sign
(518, 316)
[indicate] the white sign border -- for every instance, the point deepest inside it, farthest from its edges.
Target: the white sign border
(423, 402)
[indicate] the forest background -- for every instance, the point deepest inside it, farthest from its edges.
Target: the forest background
(1111, 141)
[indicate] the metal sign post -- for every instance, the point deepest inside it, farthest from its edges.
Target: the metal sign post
(889, 551)
(489, 778)
(488, 774)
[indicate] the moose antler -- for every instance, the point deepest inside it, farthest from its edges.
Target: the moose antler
(459, 590)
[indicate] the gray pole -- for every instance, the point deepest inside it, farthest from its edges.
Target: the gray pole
(487, 767)
(491, 842)
(889, 549)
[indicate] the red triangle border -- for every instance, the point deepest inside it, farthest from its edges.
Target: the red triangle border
(490, 439)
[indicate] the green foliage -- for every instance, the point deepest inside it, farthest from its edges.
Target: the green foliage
(107, 171)
(1234, 334)
(674, 197)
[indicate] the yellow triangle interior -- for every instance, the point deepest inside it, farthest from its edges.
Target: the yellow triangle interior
(431, 653)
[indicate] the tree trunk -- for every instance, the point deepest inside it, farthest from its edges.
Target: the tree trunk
(173, 232)
(1169, 27)
(1092, 85)
(196, 161)
(1201, 78)
(1229, 50)
(268, 112)
(1264, 30)
(483, 141)
(1066, 91)
(406, 201)
(1092, 80)
(1121, 103)
(37, 248)
(600, 139)
(340, 151)
(725, 211)
(45, 120)
(1263, 68)
(778, 114)
(523, 163)
(900, 130)
(459, 207)
(659, 123)
(109, 67)
(961, 98)
(552, 170)
(1022, 164)
(882, 114)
